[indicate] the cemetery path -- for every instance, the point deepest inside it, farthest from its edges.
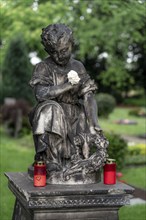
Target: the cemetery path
(134, 139)
(139, 193)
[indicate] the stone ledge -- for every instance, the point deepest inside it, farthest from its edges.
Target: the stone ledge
(63, 202)
(68, 196)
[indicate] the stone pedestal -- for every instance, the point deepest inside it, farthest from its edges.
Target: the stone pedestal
(66, 202)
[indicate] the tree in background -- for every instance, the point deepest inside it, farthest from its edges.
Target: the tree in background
(112, 42)
(110, 35)
(16, 70)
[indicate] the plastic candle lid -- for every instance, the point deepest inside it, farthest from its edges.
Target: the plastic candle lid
(40, 162)
(109, 160)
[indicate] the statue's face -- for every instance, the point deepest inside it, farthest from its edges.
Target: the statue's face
(62, 53)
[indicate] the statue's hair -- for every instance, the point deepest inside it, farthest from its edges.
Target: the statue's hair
(52, 34)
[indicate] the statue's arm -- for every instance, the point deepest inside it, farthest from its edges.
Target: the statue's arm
(43, 92)
(42, 84)
(87, 93)
(90, 106)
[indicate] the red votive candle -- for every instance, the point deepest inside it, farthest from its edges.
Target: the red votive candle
(109, 174)
(39, 174)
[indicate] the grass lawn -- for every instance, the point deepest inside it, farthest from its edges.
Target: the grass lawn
(16, 155)
(109, 124)
(135, 176)
(136, 212)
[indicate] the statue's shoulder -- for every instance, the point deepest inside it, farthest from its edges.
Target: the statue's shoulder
(43, 65)
(78, 66)
(76, 63)
(44, 62)
(40, 65)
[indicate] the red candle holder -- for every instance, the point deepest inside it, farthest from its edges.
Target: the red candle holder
(39, 174)
(109, 174)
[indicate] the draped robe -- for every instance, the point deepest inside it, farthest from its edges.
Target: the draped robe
(62, 117)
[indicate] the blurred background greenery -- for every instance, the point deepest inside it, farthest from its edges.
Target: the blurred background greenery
(110, 41)
(109, 36)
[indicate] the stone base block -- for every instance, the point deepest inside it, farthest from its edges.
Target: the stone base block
(66, 202)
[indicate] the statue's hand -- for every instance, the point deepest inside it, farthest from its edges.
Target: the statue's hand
(98, 129)
(75, 87)
(95, 130)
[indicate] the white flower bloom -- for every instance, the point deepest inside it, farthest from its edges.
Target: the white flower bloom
(73, 77)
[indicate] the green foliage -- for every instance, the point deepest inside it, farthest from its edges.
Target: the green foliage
(106, 104)
(117, 149)
(133, 151)
(16, 70)
(137, 149)
(134, 160)
(114, 28)
(26, 129)
(139, 101)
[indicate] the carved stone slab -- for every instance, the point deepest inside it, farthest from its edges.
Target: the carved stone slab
(34, 201)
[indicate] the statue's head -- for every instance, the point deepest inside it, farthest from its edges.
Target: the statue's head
(58, 41)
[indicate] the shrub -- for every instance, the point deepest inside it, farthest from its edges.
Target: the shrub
(138, 149)
(133, 151)
(139, 112)
(138, 101)
(26, 128)
(117, 149)
(106, 104)
(135, 160)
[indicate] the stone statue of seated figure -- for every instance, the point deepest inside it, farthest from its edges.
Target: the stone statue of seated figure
(64, 120)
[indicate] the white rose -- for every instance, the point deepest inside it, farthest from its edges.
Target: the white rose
(73, 77)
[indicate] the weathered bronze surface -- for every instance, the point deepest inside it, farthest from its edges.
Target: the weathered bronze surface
(64, 122)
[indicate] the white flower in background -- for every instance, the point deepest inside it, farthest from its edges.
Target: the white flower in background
(73, 77)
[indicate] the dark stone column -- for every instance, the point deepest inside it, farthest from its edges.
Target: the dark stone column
(66, 202)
